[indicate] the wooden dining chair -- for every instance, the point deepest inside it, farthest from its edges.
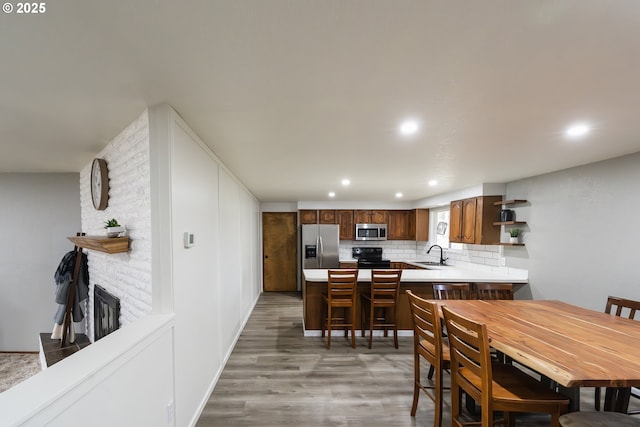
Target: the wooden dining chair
(341, 295)
(378, 306)
(497, 387)
(451, 291)
(494, 291)
(428, 344)
(445, 291)
(628, 308)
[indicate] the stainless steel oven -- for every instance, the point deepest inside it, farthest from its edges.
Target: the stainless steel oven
(371, 231)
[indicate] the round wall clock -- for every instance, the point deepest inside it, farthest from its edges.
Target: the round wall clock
(99, 184)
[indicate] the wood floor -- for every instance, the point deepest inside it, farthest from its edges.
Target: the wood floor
(277, 377)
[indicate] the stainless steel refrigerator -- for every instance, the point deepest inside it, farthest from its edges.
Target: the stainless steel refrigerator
(320, 246)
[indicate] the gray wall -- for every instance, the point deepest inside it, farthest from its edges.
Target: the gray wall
(37, 213)
(582, 236)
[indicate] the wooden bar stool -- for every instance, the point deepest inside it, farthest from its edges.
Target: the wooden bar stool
(451, 291)
(380, 303)
(494, 291)
(341, 295)
(598, 419)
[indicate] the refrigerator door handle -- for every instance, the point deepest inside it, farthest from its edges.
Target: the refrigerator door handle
(321, 252)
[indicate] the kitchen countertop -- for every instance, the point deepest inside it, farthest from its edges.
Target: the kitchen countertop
(434, 273)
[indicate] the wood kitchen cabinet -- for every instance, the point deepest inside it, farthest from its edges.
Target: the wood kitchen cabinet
(420, 226)
(399, 225)
(370, 217)
(408, 224)
(327, 217)
(471, 221)
(349, 264)
(344, 218)
(308, 216)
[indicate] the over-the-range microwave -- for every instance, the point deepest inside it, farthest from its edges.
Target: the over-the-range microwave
(371, 231)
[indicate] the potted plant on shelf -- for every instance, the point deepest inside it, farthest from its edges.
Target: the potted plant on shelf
(514, 233)
(113, 228)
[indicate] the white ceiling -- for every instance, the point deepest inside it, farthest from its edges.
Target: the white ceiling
(293, 96)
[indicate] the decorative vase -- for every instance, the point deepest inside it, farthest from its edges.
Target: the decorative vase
(513, 240)
(114, 231)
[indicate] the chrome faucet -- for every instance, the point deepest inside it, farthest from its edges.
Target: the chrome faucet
(442, 259)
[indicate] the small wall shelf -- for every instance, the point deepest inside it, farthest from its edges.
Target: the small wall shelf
(506, 223)
(110, 245)
(509, 202)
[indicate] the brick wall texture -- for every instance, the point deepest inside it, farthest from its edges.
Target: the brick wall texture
(126, 275)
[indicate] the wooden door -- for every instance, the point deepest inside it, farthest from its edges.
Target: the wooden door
(279, 250)
(455, 221)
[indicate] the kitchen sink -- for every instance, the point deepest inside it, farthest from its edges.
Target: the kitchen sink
(428, 263)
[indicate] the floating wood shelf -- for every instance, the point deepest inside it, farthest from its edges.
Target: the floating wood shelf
(511, 244)
(110, 245)
(510, 223)
(509, 202)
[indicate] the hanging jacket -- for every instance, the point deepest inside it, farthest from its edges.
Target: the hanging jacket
(63, 278)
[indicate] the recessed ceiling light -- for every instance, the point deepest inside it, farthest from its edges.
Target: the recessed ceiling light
(398, 195)
(577, 130)
(332, 194)
(346, 182)
(433, 182)
(409, 127)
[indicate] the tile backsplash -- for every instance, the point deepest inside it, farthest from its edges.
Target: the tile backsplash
(477, 257)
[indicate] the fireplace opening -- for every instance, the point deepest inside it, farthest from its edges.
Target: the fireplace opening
(106, 312)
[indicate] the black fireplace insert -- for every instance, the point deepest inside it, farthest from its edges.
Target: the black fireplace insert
(106, 312)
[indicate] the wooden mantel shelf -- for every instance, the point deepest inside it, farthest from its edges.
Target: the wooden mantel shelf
(110, 245)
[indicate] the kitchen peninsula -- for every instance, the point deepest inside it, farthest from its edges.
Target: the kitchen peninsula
(420, 281)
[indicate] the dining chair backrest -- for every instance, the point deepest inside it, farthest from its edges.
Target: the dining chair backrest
(451, 291)
(426, 322)
(622, 307)
(469, 347)
(428, 344)
(494, 291)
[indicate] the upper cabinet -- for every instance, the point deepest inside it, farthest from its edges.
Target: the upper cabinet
(420, 217)
(327, 217)
(472, 221)
(347, 226)
(370, 217)
(308, 216)
(408, 225)
(399, 226)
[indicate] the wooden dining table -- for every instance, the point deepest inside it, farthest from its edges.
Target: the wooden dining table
(570, 345)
